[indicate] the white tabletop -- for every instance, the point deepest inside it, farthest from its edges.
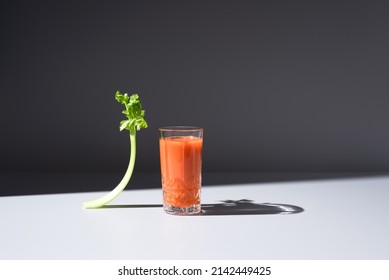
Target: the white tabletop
(316, 219)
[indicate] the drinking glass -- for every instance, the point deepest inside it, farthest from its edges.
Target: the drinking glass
(181, 159)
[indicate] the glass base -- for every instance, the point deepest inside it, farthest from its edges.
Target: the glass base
(182, 211)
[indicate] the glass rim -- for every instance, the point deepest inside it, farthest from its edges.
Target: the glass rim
(180, 128)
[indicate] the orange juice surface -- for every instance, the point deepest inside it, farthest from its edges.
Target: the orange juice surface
(181, 170)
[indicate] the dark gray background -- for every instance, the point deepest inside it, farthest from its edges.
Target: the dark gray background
(277, 85)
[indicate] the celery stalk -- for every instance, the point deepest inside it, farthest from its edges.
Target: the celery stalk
(135, 121)
(121, 186)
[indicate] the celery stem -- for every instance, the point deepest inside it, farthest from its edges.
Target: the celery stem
(123, 183)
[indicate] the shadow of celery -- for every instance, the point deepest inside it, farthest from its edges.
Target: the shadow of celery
(228, 207)
(115, 206)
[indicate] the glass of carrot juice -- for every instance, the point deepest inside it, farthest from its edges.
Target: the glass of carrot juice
(181, 157)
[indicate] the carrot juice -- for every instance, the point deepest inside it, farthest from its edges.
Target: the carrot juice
(181, 157)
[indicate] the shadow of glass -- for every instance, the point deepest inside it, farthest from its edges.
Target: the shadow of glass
(228, 207)
(248, 207)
